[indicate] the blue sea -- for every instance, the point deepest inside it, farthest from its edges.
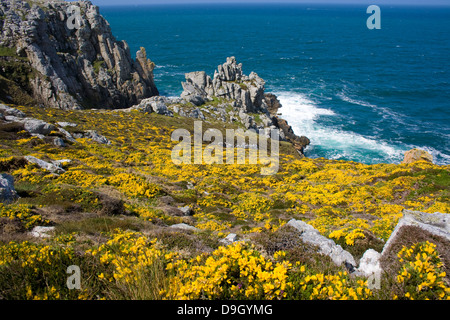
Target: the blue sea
(358, 94)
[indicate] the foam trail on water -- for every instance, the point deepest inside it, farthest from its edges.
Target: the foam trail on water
(384, 112)
(303, 115)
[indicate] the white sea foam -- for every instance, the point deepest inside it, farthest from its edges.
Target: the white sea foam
(344, 97)
(385, 113)
(304, 115)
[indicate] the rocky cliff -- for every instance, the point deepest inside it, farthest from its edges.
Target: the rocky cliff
(68, 58)
(242, 98)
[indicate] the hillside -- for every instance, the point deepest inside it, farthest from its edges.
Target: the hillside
(89, 181)
(114, 201)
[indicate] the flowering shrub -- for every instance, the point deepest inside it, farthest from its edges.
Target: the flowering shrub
(349, 236)
(349, 202)
(128, 253)
(134, 186)
(23, 213)
(422, 274)
(39, 271)
(333, 287)
(237, 271)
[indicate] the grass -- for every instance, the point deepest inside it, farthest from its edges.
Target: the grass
(7, 52)
(15, 75)
(325, 193)
(95, 226)
(97, 64)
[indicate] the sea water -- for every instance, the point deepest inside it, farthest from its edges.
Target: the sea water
(358, 94)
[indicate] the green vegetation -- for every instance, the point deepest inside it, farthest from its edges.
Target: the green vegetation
(97, 64)
(114, 206)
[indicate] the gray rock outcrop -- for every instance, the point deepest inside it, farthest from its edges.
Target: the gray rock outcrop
(327, 246)
(7, 192)
(370, 263)
(434, 223)
(74, 68)
(241, 99)
(228, 83)
(54, 167)
(13, 112)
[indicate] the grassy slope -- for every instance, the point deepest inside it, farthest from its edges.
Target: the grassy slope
(126, 186)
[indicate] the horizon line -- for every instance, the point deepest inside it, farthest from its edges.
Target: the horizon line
(272, 3)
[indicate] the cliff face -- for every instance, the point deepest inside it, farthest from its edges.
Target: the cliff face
(74, 64)
(244, 98)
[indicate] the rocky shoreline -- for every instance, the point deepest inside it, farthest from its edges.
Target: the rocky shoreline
(87, 68)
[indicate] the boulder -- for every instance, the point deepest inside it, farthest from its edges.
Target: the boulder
(93, 135)
(7, 192)
(66, 124)
(417, 155)
(327, 246)
(41, 232)
(9, 111)
(153, 104)
(370, 263)
(39, 127)
(229, 239)
(52, 167)
(184, 226)
(58, 142)
(187, 211)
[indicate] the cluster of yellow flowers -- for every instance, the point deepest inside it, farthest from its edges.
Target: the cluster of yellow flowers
(422, 273)
(39, 262)
(349, 236)
(237, 271)
(23, 213)
(253, 206)
(81, 178)
(133, 185)
(343, 200)
(33, 174)
(129, 254)
(333, 287)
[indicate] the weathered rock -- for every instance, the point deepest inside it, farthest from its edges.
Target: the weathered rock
(184, 226)
(57, 141)
(35, 126)
(41, 232)
(370, 263)
(8, 111)
(76, 67)
(229, 239)
(434, 223)
(67, 135)
(327, 246)
(245, 94)
(52, 167)
(7, 192)
(196, 114)
(187, 211)
(417, 155)
(93, 135)
(66, 124)
(153, 104)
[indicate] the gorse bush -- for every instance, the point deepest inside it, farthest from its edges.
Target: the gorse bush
(122, 185)
(234, 272)
(421, 275)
